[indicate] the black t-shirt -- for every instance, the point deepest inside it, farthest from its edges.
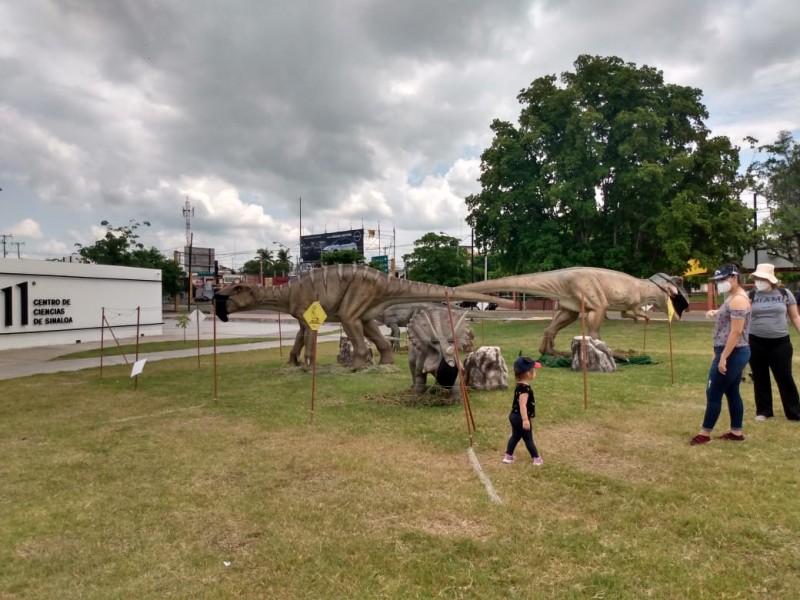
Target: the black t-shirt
(530, 405)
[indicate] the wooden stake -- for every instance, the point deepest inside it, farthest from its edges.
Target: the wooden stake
(463, 386)
(583, 352)
(313, 374)
(214, 316)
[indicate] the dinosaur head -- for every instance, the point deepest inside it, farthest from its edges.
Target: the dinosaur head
(673, 287)
(233, 298)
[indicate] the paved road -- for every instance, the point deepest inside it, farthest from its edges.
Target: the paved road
(31, 361)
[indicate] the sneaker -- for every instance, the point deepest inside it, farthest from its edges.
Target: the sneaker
(538, 462)
(730, 436)
(508, 458)
(761, 418)
(700, 439)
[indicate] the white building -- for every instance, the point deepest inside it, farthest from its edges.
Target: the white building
(44, 303)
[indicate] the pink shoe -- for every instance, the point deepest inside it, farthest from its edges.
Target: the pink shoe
(538, 462)
(508, 458)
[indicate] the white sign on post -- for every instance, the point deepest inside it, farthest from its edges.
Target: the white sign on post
(197, 316)
(482, 305)
(138, 367)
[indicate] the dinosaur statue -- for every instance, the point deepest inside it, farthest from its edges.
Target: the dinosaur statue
(602, 290)
(398, 316)
(352, 295)
(431, 348)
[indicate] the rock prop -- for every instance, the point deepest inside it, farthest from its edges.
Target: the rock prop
(598, 355)
(345, 356)
(486, 369)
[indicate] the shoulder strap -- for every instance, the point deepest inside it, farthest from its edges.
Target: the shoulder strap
(751, 294)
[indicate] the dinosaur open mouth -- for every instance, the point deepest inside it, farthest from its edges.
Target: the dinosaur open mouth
(679, 303)
(221, 304)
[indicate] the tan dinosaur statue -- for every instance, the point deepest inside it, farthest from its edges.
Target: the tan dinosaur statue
(353, 295)
(602, 290)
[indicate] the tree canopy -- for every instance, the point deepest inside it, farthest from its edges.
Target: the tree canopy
(342, 257)
(438, 259)
(120, 246)
(269, 264)
(778, 180)
(609, 167)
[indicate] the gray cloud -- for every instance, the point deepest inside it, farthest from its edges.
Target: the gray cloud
(368, 109)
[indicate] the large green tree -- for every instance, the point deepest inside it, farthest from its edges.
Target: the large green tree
(778, 179)
(613, 167)
(438, 259)
(342, 257)
(120, 246)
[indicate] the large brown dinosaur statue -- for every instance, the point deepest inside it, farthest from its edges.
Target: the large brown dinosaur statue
(352, 295)
(602, 290)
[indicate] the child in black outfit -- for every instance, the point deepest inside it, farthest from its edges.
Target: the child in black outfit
(524, 371)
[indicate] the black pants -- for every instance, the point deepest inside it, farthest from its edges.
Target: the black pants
(518, 433)
(773, 354)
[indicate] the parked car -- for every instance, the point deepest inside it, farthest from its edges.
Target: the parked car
(341, 244)
(470, 304)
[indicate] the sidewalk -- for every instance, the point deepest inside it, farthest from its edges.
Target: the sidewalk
(22, 362)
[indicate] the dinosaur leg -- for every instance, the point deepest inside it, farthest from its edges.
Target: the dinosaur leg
(294, 354)
(594, 319)
(635, 314)
(563, 318)
(373, 333)
(395, 337)
(354, 330)
(418, 375)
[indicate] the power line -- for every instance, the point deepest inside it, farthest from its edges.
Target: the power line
(7, 237)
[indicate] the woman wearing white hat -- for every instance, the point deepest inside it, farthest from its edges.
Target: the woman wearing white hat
(770, 344)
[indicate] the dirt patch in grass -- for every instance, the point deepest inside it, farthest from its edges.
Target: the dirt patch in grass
(602, 450)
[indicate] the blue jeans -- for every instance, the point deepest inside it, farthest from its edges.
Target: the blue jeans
(727, 384)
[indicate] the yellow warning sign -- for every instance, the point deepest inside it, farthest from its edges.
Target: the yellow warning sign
(315, 315)
(694, 268)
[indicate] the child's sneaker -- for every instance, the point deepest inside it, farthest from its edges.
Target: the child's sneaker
(508, 458)
(538, 462)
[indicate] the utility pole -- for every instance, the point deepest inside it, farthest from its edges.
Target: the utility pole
(18, 244)
(6, 240)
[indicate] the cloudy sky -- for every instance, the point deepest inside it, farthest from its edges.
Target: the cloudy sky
(374, 112)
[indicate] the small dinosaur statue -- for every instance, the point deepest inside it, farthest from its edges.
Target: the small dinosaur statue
(398, 316)
(352, 295)
(602, 290)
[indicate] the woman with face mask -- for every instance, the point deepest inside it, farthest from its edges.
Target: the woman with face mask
(731, 353)
(770, 344)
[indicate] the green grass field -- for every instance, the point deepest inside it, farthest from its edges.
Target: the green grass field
(166, 492)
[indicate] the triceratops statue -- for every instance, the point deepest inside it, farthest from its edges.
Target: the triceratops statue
(432, 349)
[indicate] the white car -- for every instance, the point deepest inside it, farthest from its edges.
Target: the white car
(341, 244)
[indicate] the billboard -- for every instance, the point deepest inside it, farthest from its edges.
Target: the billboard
(202, 259)
(312, 246)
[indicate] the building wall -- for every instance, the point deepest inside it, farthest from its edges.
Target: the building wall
(44, 303)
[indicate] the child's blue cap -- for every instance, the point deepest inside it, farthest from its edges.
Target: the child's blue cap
(524, 364)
